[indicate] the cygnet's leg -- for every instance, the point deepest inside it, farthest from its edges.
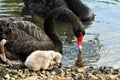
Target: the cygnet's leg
(3, 55)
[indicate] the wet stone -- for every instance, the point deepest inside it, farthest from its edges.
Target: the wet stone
(26, 72)
(7, 76)
(116, 71)
(106, 70)
(74, 68)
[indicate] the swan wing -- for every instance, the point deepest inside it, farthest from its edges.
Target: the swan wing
(26, 37)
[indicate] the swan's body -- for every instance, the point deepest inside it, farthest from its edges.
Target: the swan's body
(42, 7)
(42, 59)
(25, 37)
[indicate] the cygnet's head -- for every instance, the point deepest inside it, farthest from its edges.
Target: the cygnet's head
(56, 56)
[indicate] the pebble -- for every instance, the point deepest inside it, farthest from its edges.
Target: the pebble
(7, 76)
(63, 73)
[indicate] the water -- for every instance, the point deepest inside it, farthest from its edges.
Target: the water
(106, 24)
(102, 40)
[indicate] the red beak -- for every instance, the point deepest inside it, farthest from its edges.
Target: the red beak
(79, 41)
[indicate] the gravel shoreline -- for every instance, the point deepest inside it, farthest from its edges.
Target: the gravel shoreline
(10, 72)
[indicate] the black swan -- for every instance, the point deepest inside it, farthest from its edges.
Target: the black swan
(42, 7)
(25, 37)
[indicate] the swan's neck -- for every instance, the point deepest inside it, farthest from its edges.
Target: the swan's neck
(77, 25)
(53, 35)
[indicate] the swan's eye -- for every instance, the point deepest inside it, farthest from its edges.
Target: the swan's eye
(7, 24)
(9, 29)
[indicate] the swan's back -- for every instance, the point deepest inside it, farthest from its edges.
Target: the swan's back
(42, 7)
(27, 28)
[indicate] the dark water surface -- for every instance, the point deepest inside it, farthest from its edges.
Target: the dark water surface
(101, 45)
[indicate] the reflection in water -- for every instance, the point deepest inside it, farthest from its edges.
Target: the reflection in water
(102, 40)
(92, 49)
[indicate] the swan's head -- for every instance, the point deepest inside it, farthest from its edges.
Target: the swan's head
(4, 29)
(79, 32)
